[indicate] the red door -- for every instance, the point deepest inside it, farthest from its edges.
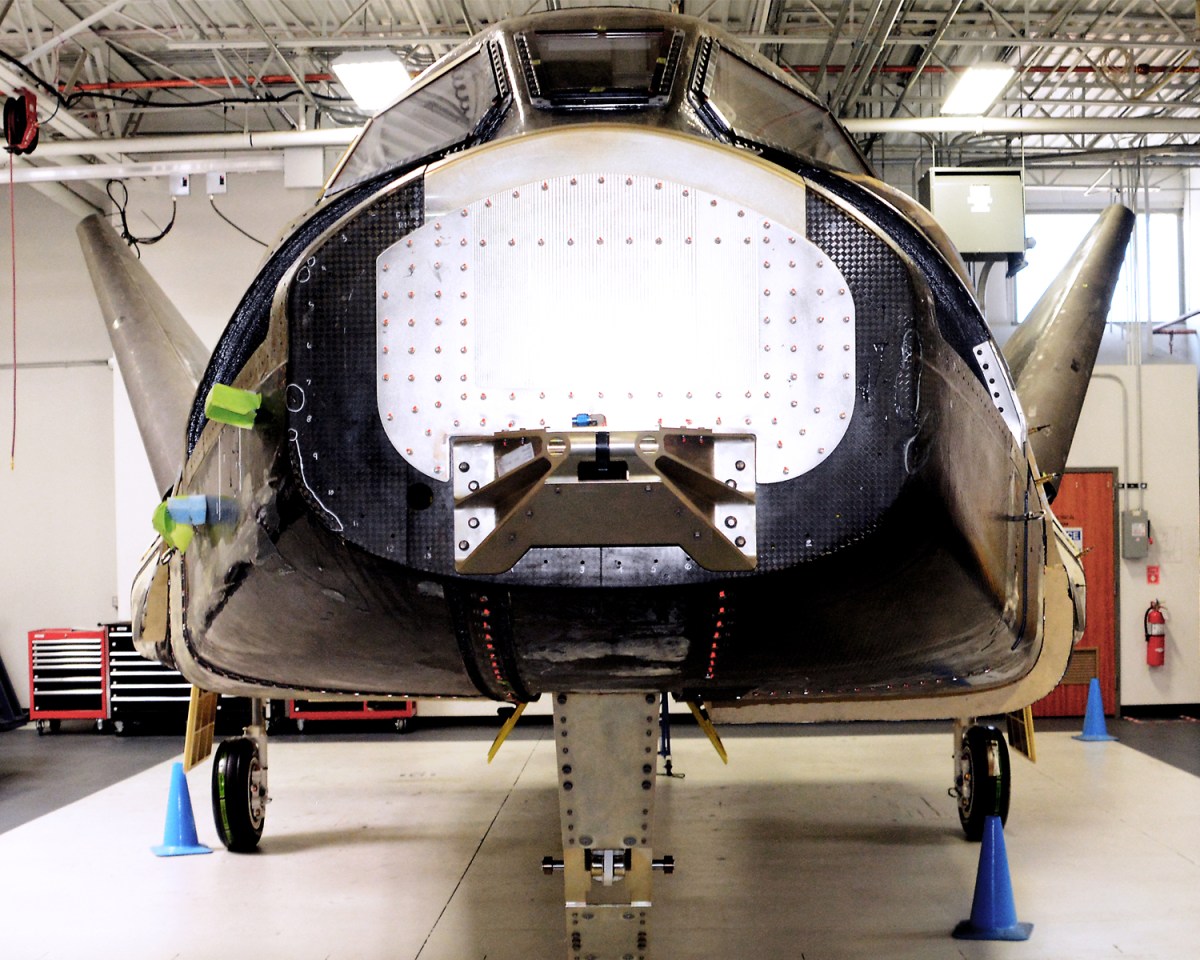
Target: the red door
(1086, 505)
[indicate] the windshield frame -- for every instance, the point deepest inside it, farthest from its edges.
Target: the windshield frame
(485, 121)
(832, 147)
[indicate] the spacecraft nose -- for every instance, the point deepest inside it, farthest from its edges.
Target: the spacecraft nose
(603, 338)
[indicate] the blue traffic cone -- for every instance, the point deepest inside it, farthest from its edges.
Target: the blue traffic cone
(993, 913)
(179, 834)
(1093, 719)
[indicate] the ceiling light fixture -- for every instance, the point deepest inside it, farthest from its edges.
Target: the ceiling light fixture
(373, 78)
(977, 88)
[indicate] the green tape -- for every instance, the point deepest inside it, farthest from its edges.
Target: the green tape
(177, 535)
(226, 404)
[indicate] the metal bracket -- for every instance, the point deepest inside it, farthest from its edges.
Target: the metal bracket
(605, 751)
(592, 487)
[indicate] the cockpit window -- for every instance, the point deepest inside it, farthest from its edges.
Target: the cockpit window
(742, 103)
(599, 70)
(457, 106)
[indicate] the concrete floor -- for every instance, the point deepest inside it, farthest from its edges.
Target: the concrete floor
(813, 847)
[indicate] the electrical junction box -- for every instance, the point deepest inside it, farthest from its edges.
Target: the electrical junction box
(214, 183)
(1135, 534)
(179, 184)
(982, 209)
(303, 167)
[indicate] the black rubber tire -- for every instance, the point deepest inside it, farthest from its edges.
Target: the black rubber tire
(987, 780)
(238, 812)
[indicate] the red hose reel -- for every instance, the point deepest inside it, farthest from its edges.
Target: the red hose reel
(21, 122)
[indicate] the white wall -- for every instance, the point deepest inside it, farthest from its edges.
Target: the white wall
(75, 513)
(56, 514)
(1170, 466)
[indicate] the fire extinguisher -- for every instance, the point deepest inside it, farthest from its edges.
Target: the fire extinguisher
(1156, 635)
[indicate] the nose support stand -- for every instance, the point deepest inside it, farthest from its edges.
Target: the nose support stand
(605, 749)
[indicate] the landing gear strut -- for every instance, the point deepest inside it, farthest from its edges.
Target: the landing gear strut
(239, 785)
(983, 777)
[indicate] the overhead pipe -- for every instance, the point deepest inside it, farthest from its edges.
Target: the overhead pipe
(202, 142)
(1031, 126)
(177, 83)
(283, 79)
(343, 136)
(901, 68)
(269, 163)
(752, 39)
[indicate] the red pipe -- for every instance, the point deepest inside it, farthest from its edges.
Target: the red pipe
(1142, 69)
(282, 78)
(175, 84)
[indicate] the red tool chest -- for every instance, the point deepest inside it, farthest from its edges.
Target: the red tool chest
(68, 676)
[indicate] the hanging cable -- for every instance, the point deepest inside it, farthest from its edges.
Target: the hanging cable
(213, 203)
(69, 100)
(20, 137)
(12, 224)
(121, 205)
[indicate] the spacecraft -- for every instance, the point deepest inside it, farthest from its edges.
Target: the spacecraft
(604, 369)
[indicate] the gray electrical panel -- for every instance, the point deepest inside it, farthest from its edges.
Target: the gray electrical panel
(981, 209)
(1135, 534)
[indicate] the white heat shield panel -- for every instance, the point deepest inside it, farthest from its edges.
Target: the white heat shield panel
(630, 301)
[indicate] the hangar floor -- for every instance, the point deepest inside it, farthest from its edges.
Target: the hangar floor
(815, 845)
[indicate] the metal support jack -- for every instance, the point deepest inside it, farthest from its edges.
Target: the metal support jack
(605, 753)
(664, 738)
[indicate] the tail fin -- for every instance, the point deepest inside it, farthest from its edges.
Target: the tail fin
(1052, 353)
(161, 358)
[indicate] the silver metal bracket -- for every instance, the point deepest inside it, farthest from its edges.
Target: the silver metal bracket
(593, 487)
(605, 752)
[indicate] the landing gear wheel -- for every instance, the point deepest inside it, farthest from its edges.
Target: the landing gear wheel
(239, 804)
(401, 724)
(984, 779)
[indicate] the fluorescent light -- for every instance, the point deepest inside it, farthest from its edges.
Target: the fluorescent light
(373, 78)
(977, 88)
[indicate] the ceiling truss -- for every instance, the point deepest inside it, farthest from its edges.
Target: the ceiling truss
(120, 69)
